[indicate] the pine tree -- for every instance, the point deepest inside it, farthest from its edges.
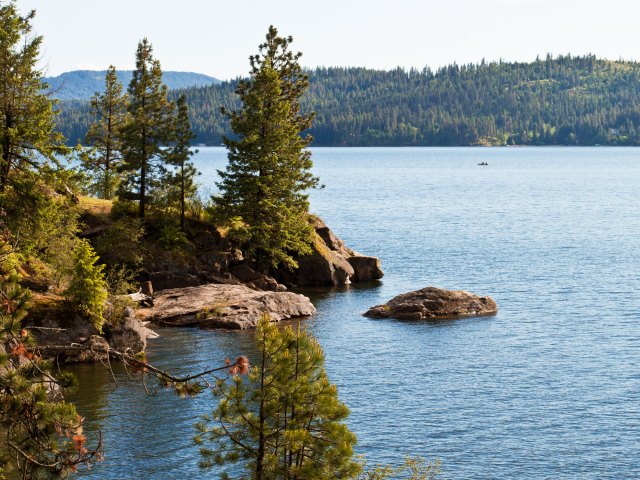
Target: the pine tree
(109, 111)
(27, 137)
(285, 420)
(178, 157)
(269, 164)
(148, 126)
(88, 288)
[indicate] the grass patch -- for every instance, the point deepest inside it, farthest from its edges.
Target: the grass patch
(96, 206)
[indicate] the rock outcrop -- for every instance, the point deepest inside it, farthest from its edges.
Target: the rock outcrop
(331, 263)
(131, 334)
(72, 339)
(365, 269)
(224, 306)
(432, 302)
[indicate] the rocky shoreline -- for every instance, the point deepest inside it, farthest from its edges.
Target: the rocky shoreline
(219, 290)
(329, 264)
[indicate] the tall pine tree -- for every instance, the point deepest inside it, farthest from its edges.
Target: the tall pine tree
(148, 126)
(178, 155)
(109, 110)
(269, 166)
(27, 137)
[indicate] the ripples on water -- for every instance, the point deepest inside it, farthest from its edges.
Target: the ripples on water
(548, 388)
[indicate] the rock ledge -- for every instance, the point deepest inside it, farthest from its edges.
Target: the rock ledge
(224, 306)
(432, 302)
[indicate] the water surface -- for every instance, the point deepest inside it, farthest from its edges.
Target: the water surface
(547, 388)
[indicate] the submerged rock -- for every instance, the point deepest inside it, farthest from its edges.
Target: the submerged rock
(432, 302)
(224, 306)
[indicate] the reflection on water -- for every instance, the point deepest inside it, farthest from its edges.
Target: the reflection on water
(547, 388)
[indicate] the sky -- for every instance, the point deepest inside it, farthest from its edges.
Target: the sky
(216, 37)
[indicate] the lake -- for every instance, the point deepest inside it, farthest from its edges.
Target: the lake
(547, 388)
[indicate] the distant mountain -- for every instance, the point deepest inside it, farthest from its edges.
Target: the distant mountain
(82, 84)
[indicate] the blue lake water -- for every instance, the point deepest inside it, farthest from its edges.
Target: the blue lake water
(547, 388)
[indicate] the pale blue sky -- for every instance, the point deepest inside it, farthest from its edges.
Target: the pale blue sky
(216, 37)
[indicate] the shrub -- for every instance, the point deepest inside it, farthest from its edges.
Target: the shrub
(121, 279)
(171, 236)
(87, 290)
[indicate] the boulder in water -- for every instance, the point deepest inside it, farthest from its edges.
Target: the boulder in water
(432, 302)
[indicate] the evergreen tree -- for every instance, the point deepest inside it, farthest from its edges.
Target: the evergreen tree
(148, 126)
(109, 111)
(27, 137)
(285, 420)
(182, 178)
(88, 288)
(269, 164)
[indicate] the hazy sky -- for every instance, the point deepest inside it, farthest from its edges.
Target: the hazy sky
(217, 36)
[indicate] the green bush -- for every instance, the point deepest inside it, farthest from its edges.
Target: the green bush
(171, 236)
(123, 208)
(87, 290)
(121, 280)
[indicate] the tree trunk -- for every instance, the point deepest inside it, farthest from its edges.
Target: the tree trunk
(5, 167)
(143, 173)
(107, 159)
(182, 196)
(143, 188)
(106, 192)
(262, 418)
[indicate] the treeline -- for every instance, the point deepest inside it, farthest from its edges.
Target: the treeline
(564, 100)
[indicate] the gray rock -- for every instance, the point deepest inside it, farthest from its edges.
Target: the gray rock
(138, 298)
(131, 335)
(365, 269)
(225, 306)
(225, 278)
(329, 238)
(432, 302)
(322, 268)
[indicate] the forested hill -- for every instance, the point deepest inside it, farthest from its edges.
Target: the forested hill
(82, 84)
(564, 100)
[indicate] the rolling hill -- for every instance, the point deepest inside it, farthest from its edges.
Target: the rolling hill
(82, 84)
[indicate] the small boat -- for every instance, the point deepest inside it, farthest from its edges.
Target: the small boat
(483, 163)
